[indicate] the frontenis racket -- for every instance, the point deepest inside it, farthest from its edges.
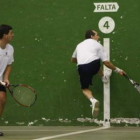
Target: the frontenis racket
(135, 84)
(23, 94)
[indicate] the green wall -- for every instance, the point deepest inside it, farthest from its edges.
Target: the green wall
(46, 34)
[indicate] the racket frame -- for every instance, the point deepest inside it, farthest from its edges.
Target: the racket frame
(14, 86)
(135, 84)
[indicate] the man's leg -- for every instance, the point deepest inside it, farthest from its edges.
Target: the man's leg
(105, 76)
(2, 104)
(2, 101)
(95, 103)
(100, 72)
(87, 93)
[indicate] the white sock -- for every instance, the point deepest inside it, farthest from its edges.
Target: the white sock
(92, 100)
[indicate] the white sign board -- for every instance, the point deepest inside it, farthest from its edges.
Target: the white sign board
(106, 7)
(106, 25)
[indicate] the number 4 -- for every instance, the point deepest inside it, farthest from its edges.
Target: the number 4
(106, 25)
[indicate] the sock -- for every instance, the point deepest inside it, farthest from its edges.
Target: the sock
(92, 100)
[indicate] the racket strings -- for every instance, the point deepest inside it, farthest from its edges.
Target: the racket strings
(24, 95)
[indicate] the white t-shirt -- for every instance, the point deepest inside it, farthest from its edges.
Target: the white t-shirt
(88, 51)
(6, 58)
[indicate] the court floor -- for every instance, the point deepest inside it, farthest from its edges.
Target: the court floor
(69, 133)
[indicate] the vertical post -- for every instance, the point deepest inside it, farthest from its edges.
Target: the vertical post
(106, 44)
(106, 26)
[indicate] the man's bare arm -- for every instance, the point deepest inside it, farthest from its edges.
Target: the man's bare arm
(111, 66)
(73, 60)
(6, 74)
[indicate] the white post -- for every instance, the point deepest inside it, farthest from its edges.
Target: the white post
(106, 44)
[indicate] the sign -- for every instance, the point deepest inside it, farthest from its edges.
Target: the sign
(106, 25)
(106, 7)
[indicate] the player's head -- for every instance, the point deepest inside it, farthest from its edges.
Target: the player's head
(6, 32)
(91, 34)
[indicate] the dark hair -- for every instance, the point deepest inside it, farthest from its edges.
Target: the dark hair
(4, 29)
(89, 33)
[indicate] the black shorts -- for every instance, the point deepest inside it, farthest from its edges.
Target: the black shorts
(86, 72)
(2, 88)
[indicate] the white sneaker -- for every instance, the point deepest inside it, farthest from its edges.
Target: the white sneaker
(105, 79)
(95, 108)
(107, 75)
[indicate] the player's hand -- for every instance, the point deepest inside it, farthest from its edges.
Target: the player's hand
(121, 72)
(7, 82)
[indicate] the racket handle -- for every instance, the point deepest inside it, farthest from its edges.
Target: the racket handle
(2, 83)
(126, 76)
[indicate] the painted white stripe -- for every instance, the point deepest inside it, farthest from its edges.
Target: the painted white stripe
(72, 133)
(106, 42)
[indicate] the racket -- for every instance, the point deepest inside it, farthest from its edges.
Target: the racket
(135, 84)
(23, 94)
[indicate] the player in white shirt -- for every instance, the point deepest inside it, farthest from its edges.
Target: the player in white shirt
(88, 55)
(6, 60)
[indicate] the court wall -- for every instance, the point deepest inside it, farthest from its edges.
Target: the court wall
(46, 34)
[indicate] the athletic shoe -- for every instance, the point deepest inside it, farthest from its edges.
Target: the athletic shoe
(105, 79)
(1, 134)
(107, 75)
(95, 108)
(108, 72)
